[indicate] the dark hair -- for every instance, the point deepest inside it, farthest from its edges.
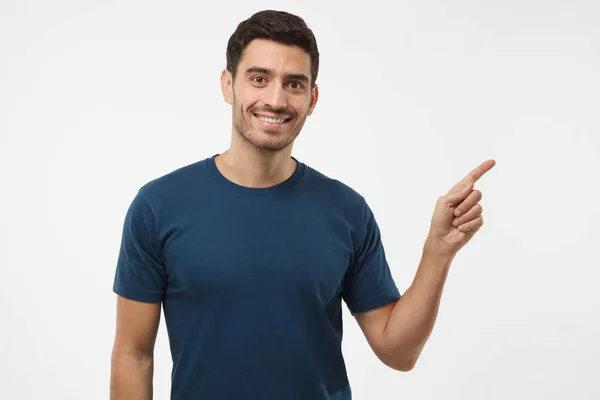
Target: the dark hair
(278, 26)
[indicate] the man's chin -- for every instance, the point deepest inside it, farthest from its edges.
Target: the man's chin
(271, 145)
(267, 141)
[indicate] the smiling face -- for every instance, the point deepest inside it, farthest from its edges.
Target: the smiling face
(271, 95)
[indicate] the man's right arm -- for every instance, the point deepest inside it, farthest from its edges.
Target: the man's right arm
(132, 360)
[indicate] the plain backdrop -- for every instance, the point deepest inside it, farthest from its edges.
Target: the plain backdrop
(97, 98)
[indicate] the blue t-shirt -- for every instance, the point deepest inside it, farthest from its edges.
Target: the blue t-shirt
(252, 279)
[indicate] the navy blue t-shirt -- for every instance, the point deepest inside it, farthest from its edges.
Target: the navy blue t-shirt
(252, 279)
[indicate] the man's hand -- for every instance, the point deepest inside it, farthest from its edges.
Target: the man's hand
(457, 216)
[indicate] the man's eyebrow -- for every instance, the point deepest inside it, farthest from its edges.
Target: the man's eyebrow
(297, 77)
(266, 71)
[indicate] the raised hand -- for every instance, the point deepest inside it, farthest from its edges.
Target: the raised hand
(458, 215)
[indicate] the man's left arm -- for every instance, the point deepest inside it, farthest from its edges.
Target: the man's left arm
(397, 332)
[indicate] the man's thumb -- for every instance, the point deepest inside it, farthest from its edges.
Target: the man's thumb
(457, 197)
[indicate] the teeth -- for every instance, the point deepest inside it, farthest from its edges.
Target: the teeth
(272, 120)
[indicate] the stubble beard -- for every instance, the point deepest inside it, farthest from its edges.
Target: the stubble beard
(243, 127)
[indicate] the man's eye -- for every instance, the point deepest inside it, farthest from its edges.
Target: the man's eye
(259, 79)
(296, 85)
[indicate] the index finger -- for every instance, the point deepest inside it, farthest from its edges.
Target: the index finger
(474, 175)
(478, 172)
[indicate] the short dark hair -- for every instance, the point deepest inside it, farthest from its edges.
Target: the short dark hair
(278, 26)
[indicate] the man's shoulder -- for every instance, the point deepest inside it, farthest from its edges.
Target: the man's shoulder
(176, 181)
(333, 188)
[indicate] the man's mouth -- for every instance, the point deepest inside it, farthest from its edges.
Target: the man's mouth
(271, 120)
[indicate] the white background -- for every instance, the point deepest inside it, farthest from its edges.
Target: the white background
(98, 98)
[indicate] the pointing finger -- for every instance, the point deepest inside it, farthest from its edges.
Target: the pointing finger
(474, 175)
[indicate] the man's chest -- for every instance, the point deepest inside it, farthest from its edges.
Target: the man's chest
(259, 249)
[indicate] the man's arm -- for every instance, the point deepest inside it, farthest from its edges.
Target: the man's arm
(132, 360)
(397, 332)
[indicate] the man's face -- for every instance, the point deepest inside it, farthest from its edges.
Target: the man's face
(271, 95)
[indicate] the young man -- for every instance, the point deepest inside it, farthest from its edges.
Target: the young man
(250, 252)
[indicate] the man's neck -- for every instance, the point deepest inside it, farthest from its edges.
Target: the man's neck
(254, 169)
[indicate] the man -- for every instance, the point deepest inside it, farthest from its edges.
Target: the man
(250, 252)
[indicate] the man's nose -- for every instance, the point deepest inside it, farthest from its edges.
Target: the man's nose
(275, 97)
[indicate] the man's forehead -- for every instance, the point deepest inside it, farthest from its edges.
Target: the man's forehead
(275, 57)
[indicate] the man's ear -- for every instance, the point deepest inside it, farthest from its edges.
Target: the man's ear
(314, 96)
(227, 86)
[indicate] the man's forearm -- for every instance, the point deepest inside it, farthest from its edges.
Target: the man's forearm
(131, 376)
(413, 317)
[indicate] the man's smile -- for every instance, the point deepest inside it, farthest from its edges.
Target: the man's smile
(271, 121)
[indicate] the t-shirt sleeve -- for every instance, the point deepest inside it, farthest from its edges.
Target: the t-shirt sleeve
(368, 283)
(140, 274)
